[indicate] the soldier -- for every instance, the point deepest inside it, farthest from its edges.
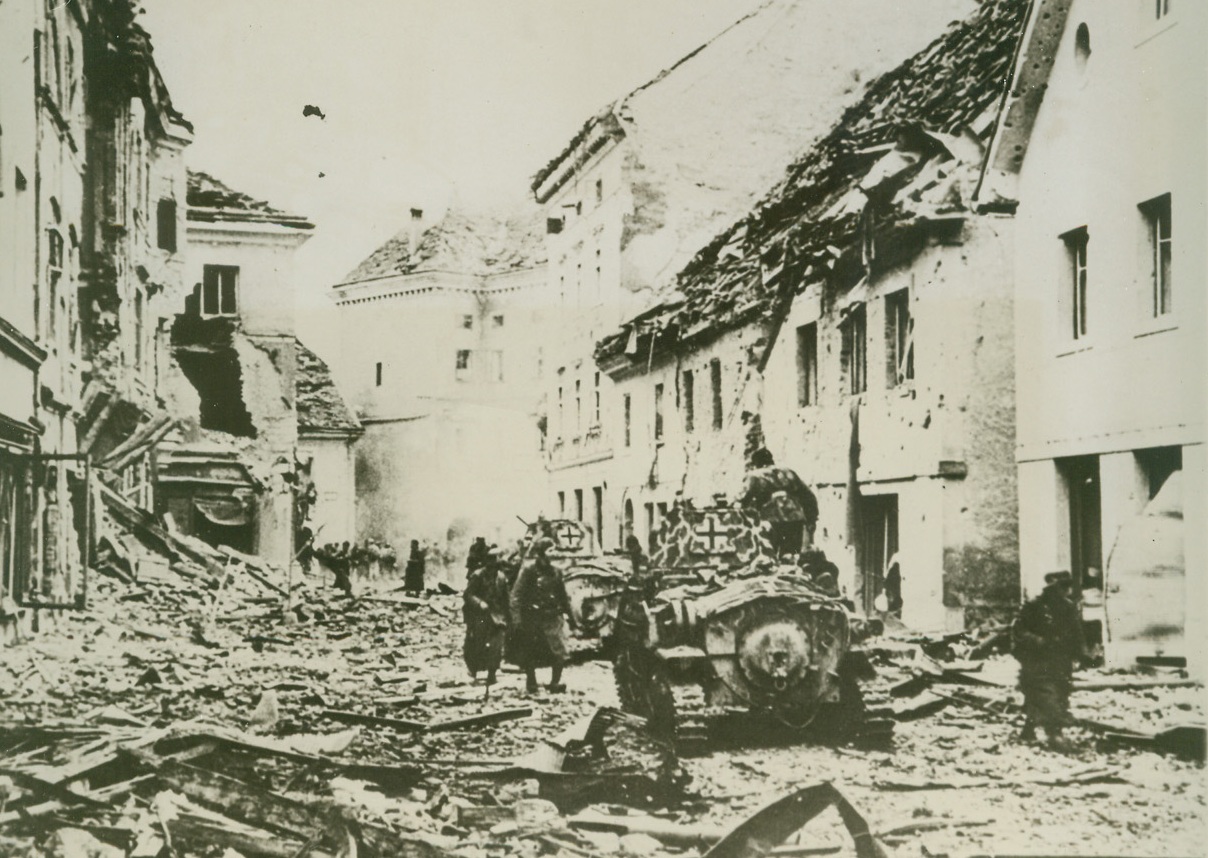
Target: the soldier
(485, 611)
(341, 564)
(779, 497)
(413, 575)
(540, 613)
(1047, 642)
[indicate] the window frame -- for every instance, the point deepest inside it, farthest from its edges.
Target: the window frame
(1157, 213)
(899, 338)
(220, 293)
(807, 364)
(854, 333)
(715, 383)
(1076, 288)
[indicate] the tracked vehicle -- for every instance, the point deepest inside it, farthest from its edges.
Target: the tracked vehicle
(594, 580)
(718, 626)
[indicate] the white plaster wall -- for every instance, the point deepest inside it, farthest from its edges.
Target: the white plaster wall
(334, 475)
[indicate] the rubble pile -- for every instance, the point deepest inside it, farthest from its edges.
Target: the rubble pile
(199, 716)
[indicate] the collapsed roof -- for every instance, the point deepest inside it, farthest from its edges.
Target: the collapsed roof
(709, 135)
(210, 201)
(321, 409)
(461, 242)
(902, 144)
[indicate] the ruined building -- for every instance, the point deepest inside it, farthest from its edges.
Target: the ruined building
(91, 169)
(858, 323)
(651, 179)
(1102, 148)
(442, 354)
(260, 408)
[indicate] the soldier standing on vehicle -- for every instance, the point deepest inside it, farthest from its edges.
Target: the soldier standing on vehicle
(540, 613)
(780, 498)
(1047, 642)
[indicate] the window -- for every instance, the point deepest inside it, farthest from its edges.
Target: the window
(628, 409)
(562, 504)
(578, 407)
(1075, 250)
(658, 412)
(1161, 8)
(553, 225)
(650, 530)
(165, 225)
(715, 391)
(497, 320)
(598, 507)
(599, 190)
(1157, 228)
(1080, 478)
(855, 349)
(595, 405)
(689, 392)
(54, 273)
(899, 338)
(462, 366)
(807, 364)
(139, 333)
(377, 374)
(218, 286)
(578, 504)
(467, 322)
(1082, 46)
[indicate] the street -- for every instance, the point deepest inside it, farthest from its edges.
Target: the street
(177, 661)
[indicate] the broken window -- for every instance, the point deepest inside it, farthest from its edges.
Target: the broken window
(165, 225)
(715, 391)
(855, 349)
(1075, 250)
(628, 409)
(899, 337)
(377, 374)
(658, 412)
(1157, 229)
(807, 364)
(218, 290)
(462, 365)
(688, 389)
(218, 378)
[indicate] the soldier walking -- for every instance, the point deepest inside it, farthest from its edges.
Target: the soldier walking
(1047, 642)
(485, 609)
(540, 612)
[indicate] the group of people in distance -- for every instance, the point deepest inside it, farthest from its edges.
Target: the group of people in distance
(516, 607)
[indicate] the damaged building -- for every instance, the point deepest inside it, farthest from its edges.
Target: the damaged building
(442, 355)
(92, 165)
(858, 323)
(1110, 350)
(650, 180)
(259, 407)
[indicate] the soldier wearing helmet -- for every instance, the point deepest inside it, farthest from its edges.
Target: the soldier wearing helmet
(780, 498)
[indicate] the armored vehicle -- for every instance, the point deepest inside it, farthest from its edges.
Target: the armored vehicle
(594, 581)
(718, 624)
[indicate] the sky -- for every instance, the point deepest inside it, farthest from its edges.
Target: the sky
(427, 102)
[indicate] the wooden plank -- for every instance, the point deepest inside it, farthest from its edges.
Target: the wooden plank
(479, 720)
(372, 720)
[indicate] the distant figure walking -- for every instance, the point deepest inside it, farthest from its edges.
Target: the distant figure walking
(485, 608)
(1047, 642)
(540, 613)
(341, 566)
(413, 575)
(478, 555)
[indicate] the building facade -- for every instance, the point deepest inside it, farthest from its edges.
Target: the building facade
(1111, 314)
(654, 177)
(442, 355)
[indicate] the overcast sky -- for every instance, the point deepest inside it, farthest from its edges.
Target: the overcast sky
(426, 101)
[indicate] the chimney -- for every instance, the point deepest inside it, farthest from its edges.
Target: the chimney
(417, 221)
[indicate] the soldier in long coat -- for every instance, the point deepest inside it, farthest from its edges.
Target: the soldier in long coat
(1047, 642)
(540, 613)
(485, 609)
(780, 498)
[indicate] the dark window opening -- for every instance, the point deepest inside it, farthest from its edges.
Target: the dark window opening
(1157, 464)
(715, 391)
(658, 412)
(218, 379)
(628, 409)
(877, 547)
(595, 406)
(1075, 248)
(377, 374)
(553, 225)
(461, 366)
(165, 225)
(497, 320)
(855, 349)
(562, 504)
(578, 504)
(807, 364)
(626, 523)
(651, 533)
(688, 390)
(467, 322)
(899, 338)
(1157, 227)
(599, 190)
(1082, 45)
(598, 508)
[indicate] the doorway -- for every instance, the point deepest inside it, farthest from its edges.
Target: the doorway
(877, 545)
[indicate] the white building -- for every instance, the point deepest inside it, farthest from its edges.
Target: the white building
(1104, 149)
